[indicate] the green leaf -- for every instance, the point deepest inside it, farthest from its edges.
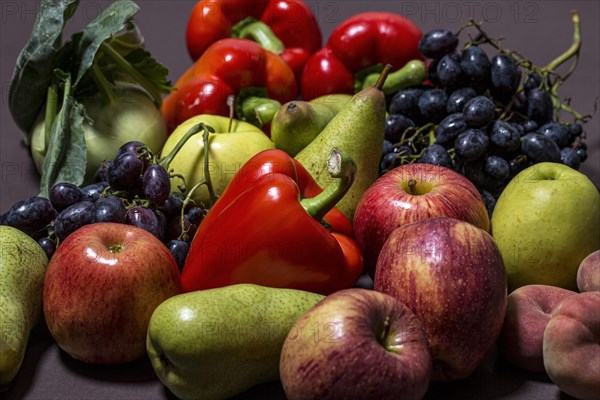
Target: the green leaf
(108, 23)
(153, 70)
(35, 64)
(66, 156)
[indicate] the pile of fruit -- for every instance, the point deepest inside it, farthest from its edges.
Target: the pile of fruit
(223, 230)
(487, 118)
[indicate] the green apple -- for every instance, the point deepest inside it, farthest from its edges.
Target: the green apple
(22, 269)
(216, 343)
(229, 149)
(546, 221)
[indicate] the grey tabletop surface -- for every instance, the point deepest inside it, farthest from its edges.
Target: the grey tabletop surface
(538, 29)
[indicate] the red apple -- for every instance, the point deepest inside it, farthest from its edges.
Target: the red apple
(450, 274)
(572, 346)
(356, 344)
(101, 287)
(528, 311)
(588, 273)
(411, 193)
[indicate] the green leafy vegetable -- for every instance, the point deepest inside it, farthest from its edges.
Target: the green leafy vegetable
(108, 23)
(63, 77)
(36, 62)
(66, 156)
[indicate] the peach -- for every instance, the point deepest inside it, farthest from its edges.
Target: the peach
(528, 311)
(572, 346)
(588, 274)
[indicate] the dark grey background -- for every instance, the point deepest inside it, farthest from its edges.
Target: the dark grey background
(538, 29)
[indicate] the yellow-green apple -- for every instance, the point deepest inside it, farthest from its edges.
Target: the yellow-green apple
(101, 287)
(572, 346)
(411, 193)
(546, 221)
(588, 273)
(356, 344)
(528, 311)
(450, 274)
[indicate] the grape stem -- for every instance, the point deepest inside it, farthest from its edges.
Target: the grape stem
(166, 161)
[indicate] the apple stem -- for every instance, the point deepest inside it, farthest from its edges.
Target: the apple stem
(412, 185)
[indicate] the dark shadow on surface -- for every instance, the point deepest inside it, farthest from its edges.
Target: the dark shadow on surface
(135, 371)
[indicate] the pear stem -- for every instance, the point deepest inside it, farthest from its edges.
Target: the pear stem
(341, 167)
(386, 71)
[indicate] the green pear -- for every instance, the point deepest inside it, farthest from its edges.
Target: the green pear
(216, 343)
(22, 269)
(358, 131)
(297, 123)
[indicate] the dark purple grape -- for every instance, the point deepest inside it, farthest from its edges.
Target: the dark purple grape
(102, 172)
(63, 195)
(108, 209)
(505, 76)
(479, 111)
(195, 215)
(436, 43)
(517, 165)
(387, 147)
(575, 130)
(533, 81)
(582, 151)
(395, 125)
(539, 148)
(476, 66)
(449, 72)
(173, 204)
(3, 221)
(497, 167)
(179, 250)
(93, 191)
(402, 150)
(125, 171)
(489, 200)
(162, 224)
(458, 98)
(406, 102)
(31, 214)
(530, 126)
(174, 228)
(557, 132)
(388, 162)
(569, 157)
(449, 129)
(436, 155)
(133, 147)
(144, 218)
(72, 218)
(156, 184)
(432, 72)
(505, 135)
(471, 144)
(539, 106)
(432, 105)
(475, 172)
(48, 245)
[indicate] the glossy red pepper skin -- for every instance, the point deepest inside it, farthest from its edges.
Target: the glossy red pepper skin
(258, 232)
(225, 68)
(359, 42)
(292, 21)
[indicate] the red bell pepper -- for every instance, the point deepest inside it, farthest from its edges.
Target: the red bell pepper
(265, 230)
(286, 27)
(225, 68)
(360, 42)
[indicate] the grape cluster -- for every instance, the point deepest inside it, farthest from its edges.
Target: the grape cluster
(487, 118)
(132, 189)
